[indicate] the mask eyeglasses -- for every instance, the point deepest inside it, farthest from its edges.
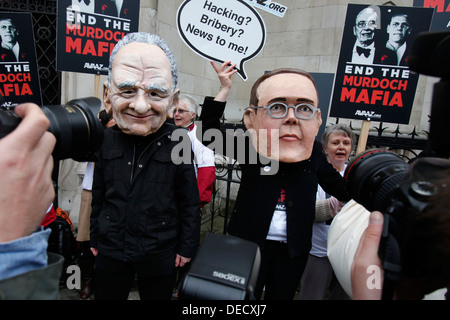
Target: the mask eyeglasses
(279, 110)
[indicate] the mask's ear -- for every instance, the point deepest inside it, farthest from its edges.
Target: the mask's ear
(106, 99)
(319, 118)
(175, 99)
(249, 118)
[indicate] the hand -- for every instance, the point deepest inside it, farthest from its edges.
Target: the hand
(225, 73)
(26, 165)
(367, 256)
(335, 206)
(181, 261)
(94, 251)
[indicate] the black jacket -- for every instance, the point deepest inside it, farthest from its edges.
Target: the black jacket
(389, 57)
(7, 55)
(109, 8)
(145, 208)
(258, 193)
(258, 196)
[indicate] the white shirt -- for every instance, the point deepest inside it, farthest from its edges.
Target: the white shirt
(320, 229)
(83, 7)
(362, 59)
(204, 157)
(88, 176)
(16, 50)
(119, 4)
(278, 226)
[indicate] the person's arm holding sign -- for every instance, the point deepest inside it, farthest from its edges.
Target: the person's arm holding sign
(212, 108)
(225, 73)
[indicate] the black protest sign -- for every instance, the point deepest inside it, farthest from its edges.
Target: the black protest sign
(324, 84)
(88, 30)
(19, 77)
(441, 16)
(373, 81)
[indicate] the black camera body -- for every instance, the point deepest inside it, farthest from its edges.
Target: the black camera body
(429, 55)
(381, 180)
(78, 131)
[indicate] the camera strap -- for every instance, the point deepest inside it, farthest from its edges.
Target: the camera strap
(390, 254)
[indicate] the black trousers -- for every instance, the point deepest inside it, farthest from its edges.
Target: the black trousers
(279, 274)
(116, 281)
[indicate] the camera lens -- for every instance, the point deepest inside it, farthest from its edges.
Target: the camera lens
(373, 176)
(76, 127)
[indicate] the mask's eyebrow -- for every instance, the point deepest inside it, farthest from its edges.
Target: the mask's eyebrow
(299, 100)
(151, 87)
(305, 100)
(126, 84)
(156, 87)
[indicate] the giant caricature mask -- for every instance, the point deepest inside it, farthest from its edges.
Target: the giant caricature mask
(288, 139)
(140, 93)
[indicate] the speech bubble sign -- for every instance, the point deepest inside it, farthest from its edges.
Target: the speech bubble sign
(222, 30)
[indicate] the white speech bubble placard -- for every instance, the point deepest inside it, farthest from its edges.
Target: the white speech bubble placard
(222, 31)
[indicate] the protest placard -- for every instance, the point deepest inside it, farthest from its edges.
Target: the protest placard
(88, 30)
(222, 30)
(19, 77)
(373, 81)
(441, 16)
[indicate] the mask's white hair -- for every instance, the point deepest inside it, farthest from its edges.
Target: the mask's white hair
(150, 39)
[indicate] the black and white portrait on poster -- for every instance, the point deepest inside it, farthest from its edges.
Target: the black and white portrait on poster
(19, 77)
(88, 30)
(373, 81)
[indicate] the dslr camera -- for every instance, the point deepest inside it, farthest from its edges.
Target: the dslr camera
(78, 131)
(381, 180)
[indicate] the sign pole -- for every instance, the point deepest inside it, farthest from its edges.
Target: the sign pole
(362, 142)
(97, 86)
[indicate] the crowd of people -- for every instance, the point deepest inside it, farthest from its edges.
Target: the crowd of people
(144, 208)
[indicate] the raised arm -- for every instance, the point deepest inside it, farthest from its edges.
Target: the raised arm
(225, 73)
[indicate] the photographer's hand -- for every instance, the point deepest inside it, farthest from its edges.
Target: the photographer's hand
(26, 166)
(367, 256)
